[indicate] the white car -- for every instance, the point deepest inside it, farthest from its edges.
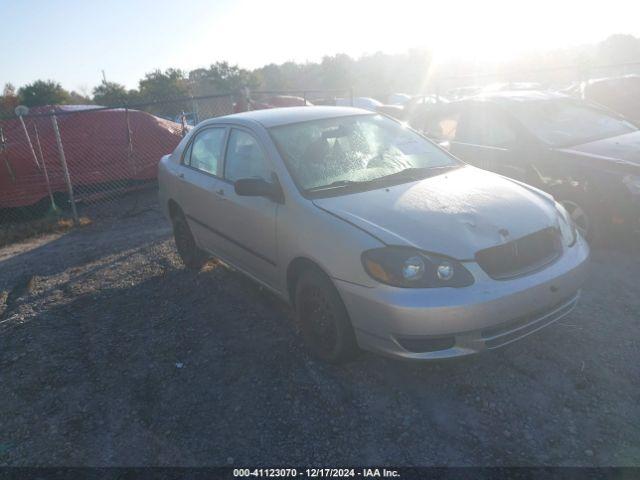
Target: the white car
(376, 236)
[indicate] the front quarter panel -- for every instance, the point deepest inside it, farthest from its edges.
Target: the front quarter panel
(306, 231)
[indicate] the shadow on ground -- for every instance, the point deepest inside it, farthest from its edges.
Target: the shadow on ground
(119, 356)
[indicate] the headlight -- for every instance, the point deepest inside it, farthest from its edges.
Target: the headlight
(410, 268)
(567, 227)
(633, 183)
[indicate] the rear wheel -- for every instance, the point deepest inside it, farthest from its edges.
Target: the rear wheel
(192, 256)
(323, 318)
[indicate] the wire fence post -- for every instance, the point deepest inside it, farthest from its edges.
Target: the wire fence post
(26, 133)
(196, 113)
(44, 167)
(130, 161)
(63, 161)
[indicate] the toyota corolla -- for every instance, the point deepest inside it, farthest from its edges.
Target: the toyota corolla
(377, 237)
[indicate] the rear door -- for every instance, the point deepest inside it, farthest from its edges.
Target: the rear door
(200, 185)
(249, 223)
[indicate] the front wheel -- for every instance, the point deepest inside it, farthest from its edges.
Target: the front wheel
(192, 256)
(323, 318)
(583, 217)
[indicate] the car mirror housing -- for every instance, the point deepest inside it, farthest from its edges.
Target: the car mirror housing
(257, 187)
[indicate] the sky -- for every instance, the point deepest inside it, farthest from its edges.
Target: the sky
(72, 41)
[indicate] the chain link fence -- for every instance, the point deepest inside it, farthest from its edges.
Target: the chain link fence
(57, 161)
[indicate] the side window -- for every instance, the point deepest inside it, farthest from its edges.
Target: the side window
(205, 151)
(487, 128)
(245, 158)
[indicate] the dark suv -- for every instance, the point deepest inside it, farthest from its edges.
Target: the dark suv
(586, 156)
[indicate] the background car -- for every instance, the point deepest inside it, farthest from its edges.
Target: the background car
(398, 99)
(367, 103)
(621, 94)
(102, 151)
(189, 118)
(586, 156)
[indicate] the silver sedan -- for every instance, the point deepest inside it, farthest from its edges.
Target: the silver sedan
(377, 237)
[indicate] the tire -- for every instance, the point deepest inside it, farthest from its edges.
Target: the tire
(583, 213)
(192, 256)
(323, 318)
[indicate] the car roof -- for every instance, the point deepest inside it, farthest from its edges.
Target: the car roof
(517, 96)
(273, 117)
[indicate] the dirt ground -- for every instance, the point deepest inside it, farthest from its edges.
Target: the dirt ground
(111, 353)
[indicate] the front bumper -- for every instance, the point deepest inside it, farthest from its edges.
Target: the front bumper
(426, 324)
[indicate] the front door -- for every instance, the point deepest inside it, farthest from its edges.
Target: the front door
(486, 139)
(248, 223)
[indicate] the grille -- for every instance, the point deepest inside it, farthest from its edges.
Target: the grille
(521, 256)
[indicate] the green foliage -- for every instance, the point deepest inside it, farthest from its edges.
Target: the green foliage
(221, 77)
(337, 71)
(43, 92)
(110, 94)
(374, 75)
(171, 83)
(167, 85)
(618, 49)
(77, 98)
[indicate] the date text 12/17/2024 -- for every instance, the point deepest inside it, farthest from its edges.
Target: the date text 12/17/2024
(316, 472)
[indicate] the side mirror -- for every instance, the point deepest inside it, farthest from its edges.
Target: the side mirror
(257, 187)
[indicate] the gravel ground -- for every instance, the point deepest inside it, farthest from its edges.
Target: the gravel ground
(111, 353)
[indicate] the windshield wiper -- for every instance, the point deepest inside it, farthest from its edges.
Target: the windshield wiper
(411, 173)
(337, 184)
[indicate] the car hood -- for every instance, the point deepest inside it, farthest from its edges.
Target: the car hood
(455, 213)
(622, 149)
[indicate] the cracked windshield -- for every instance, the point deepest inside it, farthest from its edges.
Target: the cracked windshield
(355, 150)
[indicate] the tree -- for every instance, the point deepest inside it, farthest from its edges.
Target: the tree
(618, 49)
(43, 92)
(78, 98)
(9, 100)
(337, 71)
(161, 86)
(110, 94)
(221, 77)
